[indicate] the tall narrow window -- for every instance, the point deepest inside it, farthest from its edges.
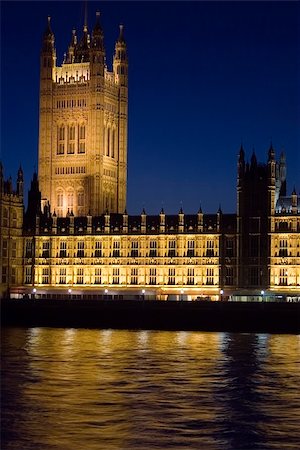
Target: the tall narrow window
(63, 249)
(190, 275)
(209, 276)
(71, 139)
(152, 279)
(153, 249)
(134, 276)
(171, 277)
(60, 200)
(80, 275)
(98, 249)
(81, 147)
(80, 199)
(116, 249)
(191, 249)
(113, 137)
(172, 248)
(28, 276)
(45, 275)
(134, 249)
(80, 249)
(108, 142)
(210, 245)
(62, 275)
(116, 275)
(283, 247)
(98, 275)
(61, 140)
(70, 200)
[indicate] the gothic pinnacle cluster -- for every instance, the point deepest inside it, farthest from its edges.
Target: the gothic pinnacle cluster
(83, 124)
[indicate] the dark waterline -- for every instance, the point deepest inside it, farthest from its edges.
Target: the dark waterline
(109, 389)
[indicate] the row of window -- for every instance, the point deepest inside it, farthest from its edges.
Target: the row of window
(69, 170)
(115, 277)
(71, 138)
(74, 103)
(69, 199)
(116, 248)
(6, 220)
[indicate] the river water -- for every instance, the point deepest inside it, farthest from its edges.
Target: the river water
(111, 390)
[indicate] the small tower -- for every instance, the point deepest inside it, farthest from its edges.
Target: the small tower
(20, 183)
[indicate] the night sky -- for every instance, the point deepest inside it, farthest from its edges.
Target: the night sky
(203, 77)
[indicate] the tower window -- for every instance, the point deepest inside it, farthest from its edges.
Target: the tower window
(60, 200)
(82, 132)
(61, 140)
(81, 148)
(70, 200)
(108, 142)
(113, 144)
(80, 198)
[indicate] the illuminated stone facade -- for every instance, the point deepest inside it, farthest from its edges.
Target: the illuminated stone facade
(83, 125)
(11, 226)
(76, 236)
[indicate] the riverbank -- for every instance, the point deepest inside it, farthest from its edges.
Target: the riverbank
(156, 315)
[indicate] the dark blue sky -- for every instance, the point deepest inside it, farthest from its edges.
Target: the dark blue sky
(203, 77)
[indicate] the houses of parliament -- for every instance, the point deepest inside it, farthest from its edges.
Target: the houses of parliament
(76, 238)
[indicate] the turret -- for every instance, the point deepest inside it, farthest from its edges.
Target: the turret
(20, 182)
(282, 174)
(97, 49)
(72, 48)
(181, 221)
(241, 163)
(120, 63)
(48, 54)
(34, 200)
(294, 201)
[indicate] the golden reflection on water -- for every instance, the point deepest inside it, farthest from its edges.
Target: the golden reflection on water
(110, 389)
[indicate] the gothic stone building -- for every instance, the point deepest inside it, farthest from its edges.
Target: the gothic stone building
(76, 236)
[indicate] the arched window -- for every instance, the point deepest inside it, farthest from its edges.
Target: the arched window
(60, 199)
(70, 200)
(80, 199)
